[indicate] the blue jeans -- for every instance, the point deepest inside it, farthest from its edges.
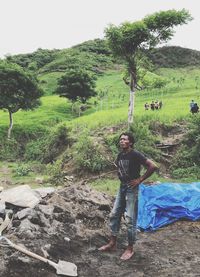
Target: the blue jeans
(126, 202)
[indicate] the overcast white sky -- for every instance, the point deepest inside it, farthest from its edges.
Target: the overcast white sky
(26, 25)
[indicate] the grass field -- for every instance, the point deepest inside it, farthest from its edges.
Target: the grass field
(110, 106)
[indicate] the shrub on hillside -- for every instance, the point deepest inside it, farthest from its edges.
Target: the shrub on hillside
(22, 170)
(174, 56)
(89, 155)
(187, 159)
(151, 80)
(10, 150)
(113, 143)
(49, 147)
(192, 173)
(55, 173)
(145, 140)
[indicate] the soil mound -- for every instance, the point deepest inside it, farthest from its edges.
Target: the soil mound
(70, 225)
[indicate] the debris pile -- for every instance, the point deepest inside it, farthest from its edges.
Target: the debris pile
(52, 223)
(70, 224)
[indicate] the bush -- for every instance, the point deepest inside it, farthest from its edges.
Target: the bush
(113, 143)
(48, 147)
(22, 170)
(89, 155)
(187, 158)
(35, 150)
(10, 150)
(192, 172)
(145, 140)
(55, 172)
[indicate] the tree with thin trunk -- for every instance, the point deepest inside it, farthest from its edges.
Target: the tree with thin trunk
(130, 41)
(18, 90)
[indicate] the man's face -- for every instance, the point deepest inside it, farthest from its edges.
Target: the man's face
(124, 142)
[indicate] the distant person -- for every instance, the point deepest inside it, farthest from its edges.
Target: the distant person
(156, 105)
(195, 108)
(129, 162)
(152, 105)
(191, 105)
(146, 106)
(160, 104)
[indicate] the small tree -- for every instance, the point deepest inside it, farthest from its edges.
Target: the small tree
(76, 84)
(130, 40)
(18, 90)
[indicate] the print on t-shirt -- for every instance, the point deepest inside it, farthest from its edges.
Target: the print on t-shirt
(123, 170)
(129, 165)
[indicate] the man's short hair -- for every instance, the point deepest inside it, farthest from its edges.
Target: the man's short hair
(129, 135)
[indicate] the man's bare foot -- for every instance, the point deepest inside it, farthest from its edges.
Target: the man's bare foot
(127, 254)
(107, 247)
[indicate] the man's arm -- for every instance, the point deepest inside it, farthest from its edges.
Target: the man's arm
(151, 167)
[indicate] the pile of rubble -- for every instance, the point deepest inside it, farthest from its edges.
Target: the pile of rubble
(52, 223)
(70, 224)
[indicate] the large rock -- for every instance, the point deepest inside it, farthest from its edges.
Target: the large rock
(22, 196)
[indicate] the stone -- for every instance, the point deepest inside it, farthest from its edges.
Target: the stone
(22, 196)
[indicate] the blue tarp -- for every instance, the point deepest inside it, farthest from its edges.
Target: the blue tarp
(165, 203)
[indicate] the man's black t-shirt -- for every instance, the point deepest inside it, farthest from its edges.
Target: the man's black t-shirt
(129, 165)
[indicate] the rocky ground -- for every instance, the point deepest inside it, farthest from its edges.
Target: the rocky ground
(71, 224)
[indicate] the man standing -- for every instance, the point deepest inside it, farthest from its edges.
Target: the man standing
(191, 105)
(129, 163)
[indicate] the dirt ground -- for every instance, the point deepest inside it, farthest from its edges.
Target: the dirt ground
(71, 224)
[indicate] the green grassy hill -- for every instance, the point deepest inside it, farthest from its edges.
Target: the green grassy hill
(174, 56)
(54, 135)
(115, 97)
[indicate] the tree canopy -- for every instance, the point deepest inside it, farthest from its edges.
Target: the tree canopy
(76, 84)
(129, 40)
(18, 90)
(129, 37)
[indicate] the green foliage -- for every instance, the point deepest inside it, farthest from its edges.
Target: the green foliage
(33, 125)
(98, 46)
(48, 81)
(125, 39)
(94, 55)
(69, 59)
(145, 140)
(176, 95)
(22, 170)
(78, 57)
(130, 40)
(188, 156)
(189, 173)
(35, 60)
(160, 24)
(18, 89)
(113, 143)
(55, 173)
(76, 84)
(89, 155)
(152, 80)
(50, 146)
(174, 56)
(10, 149)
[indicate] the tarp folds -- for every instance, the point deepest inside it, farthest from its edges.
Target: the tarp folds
(165, 203)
